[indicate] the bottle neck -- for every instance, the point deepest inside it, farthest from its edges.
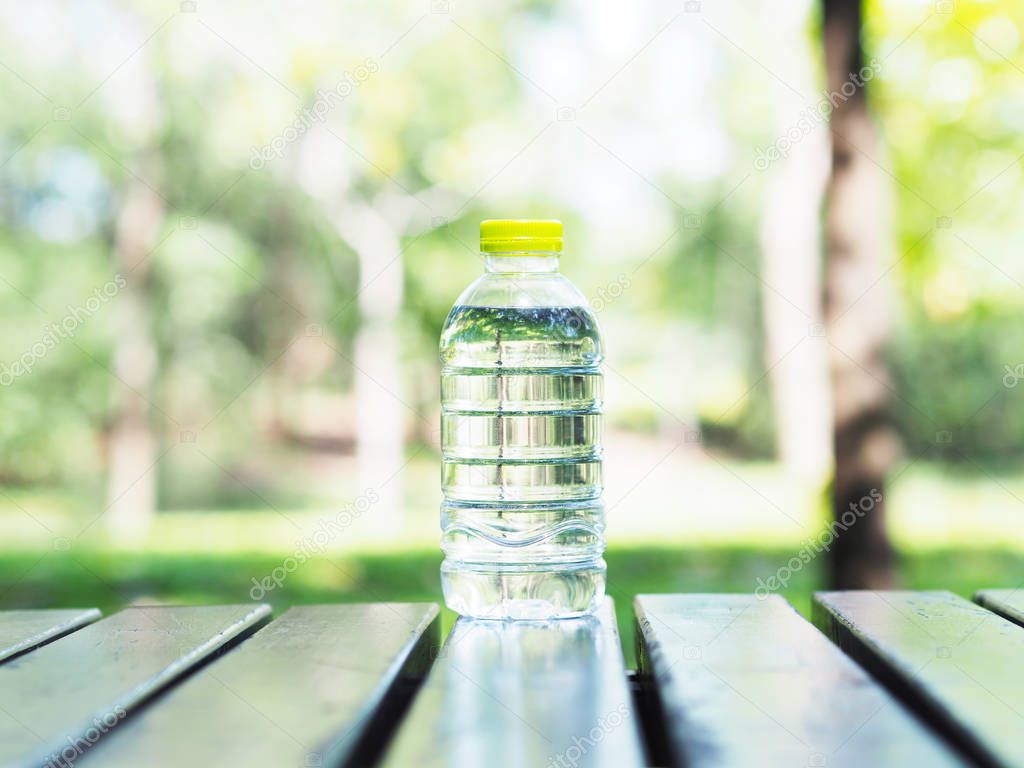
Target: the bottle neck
(519, 264)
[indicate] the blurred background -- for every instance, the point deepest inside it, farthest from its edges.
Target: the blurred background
(231, 234)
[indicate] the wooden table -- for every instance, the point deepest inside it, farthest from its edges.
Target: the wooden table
(893, 679)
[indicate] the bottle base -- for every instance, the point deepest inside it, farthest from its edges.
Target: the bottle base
(532, 592)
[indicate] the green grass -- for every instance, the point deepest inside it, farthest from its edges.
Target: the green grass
(111, 580)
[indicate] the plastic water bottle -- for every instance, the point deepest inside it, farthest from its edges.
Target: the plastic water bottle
(521, 398)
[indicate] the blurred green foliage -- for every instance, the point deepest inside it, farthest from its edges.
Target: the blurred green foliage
(949, 101)
(655, 181)
(246, 259)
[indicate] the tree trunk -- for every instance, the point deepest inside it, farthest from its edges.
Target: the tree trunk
(131, 483)
(864, 441)
(381, 418)
(381, 414)
(795, 352)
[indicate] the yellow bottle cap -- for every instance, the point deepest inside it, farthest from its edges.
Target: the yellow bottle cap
(520, 236)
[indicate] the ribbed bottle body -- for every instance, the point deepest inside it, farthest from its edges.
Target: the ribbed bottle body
(521, 439)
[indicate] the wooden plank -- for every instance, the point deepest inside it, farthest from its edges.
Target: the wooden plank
(745, 681)
(59, 699)
(960, 665)
(301, 691)
(21, 631)
(1008, 603)
(524, 694)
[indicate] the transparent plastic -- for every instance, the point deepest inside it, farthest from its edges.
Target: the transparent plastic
(521, 427)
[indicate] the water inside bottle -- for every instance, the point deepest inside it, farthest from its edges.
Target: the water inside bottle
(522, 520)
